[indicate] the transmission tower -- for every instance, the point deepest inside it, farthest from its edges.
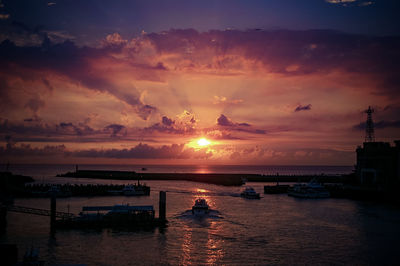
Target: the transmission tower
(369, 129)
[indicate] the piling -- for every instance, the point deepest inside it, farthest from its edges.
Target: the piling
(3, 218)
(53, 208)
(162, 206)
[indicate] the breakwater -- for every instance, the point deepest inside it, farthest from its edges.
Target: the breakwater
(218, 179)
(214, 178)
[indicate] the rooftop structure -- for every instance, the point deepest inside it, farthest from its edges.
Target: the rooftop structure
(378, 163)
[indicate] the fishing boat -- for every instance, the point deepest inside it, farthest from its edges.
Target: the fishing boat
(200, 207)
(312, 190)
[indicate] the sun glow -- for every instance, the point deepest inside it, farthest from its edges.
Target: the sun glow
(203, 142)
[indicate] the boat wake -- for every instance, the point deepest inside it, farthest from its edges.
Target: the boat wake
(213, 214)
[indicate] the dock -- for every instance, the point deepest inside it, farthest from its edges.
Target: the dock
(117, 216)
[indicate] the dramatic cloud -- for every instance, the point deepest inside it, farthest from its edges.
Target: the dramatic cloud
(141, 151)
(122, 91)
(144, 151)
(225, 122)
(115, 129)
(184, 124)
(70, 61)
(26, 150)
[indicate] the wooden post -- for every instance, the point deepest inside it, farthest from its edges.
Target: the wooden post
(53, 209)
(162, 206)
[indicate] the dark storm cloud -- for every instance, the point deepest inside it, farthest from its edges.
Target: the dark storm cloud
(167, 121)
(69, 128)
(303, 108)
(224, 121)
(116, 129)
(34, 128)
(185, 124)
(228, 124)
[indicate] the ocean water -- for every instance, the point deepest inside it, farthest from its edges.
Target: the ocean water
(275, 230)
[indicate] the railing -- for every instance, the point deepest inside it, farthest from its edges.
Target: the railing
(43, 212)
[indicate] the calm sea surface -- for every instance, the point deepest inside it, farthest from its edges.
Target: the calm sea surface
(276, 229)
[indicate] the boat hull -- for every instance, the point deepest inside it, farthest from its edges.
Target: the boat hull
(250, 196)
(200, 211)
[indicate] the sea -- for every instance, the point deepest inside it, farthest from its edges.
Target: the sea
(274, 230)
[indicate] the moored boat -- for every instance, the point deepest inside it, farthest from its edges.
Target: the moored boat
(130, 190)
(312, 190)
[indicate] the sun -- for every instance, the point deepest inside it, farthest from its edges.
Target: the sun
(203, 142)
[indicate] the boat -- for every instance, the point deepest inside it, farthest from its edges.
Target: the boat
(56, 191)
(131, 190)
(200, 207)
(312, 190)
(250, 193)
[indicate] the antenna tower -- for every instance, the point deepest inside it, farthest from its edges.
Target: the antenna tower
(369, 129)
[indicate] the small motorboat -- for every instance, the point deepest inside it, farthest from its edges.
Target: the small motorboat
(200, 207)
(250, 193)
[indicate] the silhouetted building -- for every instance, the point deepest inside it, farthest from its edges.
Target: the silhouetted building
(378, 163)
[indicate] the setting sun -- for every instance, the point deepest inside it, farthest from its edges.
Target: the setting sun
(203, 142)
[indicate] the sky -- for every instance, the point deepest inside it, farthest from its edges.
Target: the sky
(141, 82)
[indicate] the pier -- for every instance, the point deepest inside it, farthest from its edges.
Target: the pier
(125, 216)
(99, 216)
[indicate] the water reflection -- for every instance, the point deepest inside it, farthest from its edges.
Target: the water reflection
(187, 245)
(203, 169)
(215, 252)
(201, 244)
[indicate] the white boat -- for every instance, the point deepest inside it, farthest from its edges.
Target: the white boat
(200, 207)
(312, 190)
(250, 193)
(130, 190)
